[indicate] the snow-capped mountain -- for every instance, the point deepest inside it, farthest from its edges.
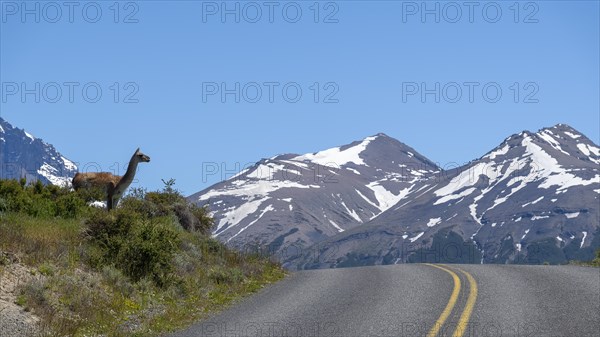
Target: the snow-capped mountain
(534, 198)
(297, 200)
(23, 155)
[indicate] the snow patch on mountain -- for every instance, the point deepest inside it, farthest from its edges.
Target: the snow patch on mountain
(572, 215)
(258, 188)
(352, 170)
(522, 184)
(31, 137)
(465, 179)
(473, 212)
(547, 169)
(351, 212)
(237, 214)
(415, 238)
(51, 173)
(449, 197)
(588, 150)
(547, 136)
(385, 198)
(500, 152)
(69, 165)
(265, 171)
(339, 229)
(265, 210)
(366, 199)
(434, 221)
(583, 239)
(533, 202)
(336, 157)
(572, 135)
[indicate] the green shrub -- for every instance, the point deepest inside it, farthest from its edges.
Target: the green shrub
(108, 228)
(117, 280)
(10, 187)
(144, 208)
(4, 206)
(33, 294)
(138, 247)
(213, 246)
(21, 301)
(221, 275)
(169, 202)
(205, 221)
(39, 200)
(91, 194)
(140, 237)
(149, 252)
(46, 269)
(69, 206)
(38, 187)
(193, 218)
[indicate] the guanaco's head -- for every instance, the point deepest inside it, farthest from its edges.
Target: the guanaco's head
(141, 157)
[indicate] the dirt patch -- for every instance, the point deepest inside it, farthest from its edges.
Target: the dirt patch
(14, 320)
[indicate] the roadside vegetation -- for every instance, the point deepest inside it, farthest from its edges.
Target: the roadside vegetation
(594, 263)
(150, 266)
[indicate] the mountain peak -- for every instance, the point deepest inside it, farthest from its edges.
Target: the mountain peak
(561, 126)
(349, 153)
(563, 130)
(371, 151)
(560, 140)
(380, 134)
(31, 157)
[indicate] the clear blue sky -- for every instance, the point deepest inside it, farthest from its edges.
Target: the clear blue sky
(373, 50)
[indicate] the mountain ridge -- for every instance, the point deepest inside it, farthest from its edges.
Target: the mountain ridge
(359, 171)
(541, 160)
(495, 195)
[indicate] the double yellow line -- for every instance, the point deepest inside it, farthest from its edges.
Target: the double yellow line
(466, 314)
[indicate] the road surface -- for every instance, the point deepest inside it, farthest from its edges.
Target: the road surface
(419, 300)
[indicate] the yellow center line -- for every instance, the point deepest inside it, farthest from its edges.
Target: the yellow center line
(451, 302)
(466, 314)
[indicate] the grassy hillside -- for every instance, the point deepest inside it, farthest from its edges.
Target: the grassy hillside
(149, 266)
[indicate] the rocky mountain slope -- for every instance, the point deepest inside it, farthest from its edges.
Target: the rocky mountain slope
(288, 202)
(23, 155)
(533, 199)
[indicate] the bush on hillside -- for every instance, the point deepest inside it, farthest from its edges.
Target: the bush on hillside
(39, 200)
(169, 202)
(138, 246)
(141, 236)
(146, 267)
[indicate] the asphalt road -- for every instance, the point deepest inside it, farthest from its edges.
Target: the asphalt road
(419, 300)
